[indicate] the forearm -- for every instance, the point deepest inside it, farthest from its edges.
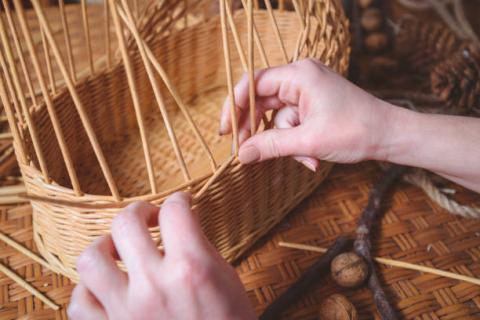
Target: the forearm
(446, 145)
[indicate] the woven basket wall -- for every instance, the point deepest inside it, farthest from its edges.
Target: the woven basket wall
(237, 204)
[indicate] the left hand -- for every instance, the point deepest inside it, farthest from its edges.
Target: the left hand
(190, 280)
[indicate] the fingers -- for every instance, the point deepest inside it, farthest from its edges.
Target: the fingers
(288, 117)
(272, 92)
(84, 306)
(131, 237)
(180, 229)
(98, 270)
(273, 143)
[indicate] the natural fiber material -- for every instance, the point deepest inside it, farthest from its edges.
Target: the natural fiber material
(421, 44)
(142, 123)
(414, 230)
(457, 80)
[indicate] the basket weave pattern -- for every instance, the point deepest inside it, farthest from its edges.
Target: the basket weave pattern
(415, 230)
(237, 204)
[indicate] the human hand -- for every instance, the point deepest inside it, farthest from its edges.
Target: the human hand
(190, 280)
(321, 116)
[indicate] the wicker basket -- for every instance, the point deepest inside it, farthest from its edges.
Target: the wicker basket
(80, 149)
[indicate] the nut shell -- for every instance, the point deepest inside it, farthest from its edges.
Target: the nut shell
(349, 270)
(337, 307)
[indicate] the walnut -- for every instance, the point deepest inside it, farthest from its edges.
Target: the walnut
(349, 270)
(337, 307)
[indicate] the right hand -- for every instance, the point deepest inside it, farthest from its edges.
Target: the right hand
(322, 116)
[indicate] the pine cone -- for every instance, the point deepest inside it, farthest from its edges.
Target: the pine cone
(422, 45)
(457, 80)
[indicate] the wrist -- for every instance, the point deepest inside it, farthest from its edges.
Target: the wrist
(396, 129)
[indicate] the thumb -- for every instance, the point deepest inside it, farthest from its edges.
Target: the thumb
(272, 144)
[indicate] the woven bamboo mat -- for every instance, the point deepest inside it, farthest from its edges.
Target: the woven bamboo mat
(413, 230)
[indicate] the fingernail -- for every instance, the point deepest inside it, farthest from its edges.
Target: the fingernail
(248, 154)
(309, 165)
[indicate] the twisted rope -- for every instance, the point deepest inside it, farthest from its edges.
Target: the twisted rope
(420, 179)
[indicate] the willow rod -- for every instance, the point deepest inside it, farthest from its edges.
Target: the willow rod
(298, 10)
(157, 93)
(25, 285)
(236, 38)
(392, 263)
(106, 19)
(258, 41)
(77, 102)
(26, 252)
(228, 67)
(251, 68)
(66, 35)
(48, 101)
(276, 30)
(46, 51)
(171, 88)
(136, 100)
(86, 30)
(19, 49)
(11, 90)
(20, 94)
(17, 139)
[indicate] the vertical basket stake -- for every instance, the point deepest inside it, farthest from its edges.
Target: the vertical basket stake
(21, 96)
(258, 41)
(298, 10)
(251, 67)
(66, 35)
(276, 30)
(135, 99)
(19, 49)
(76, 100)
(46, 51)
(11, 90)
(158, 97)
(86, 30)
(107, 34)
(20, 150)
(168, 83)
(236, 38)
(51, 110)
(228, 67)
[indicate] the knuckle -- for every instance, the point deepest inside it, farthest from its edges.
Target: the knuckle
(87, 260)
(74, 311)
(145, 300)
(123, 220)
(191, 273)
